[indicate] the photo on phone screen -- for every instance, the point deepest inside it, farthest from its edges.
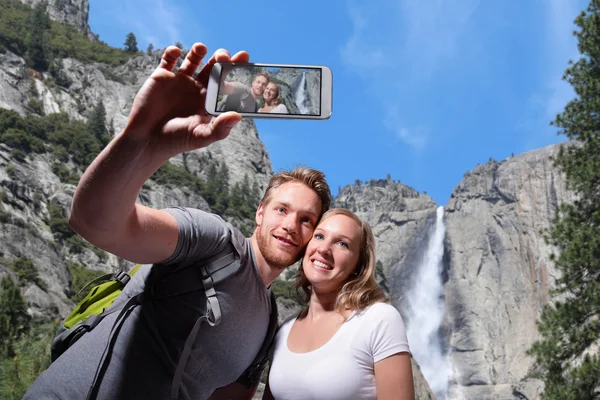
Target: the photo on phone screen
(271, 91)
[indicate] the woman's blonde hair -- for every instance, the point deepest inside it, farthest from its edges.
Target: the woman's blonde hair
(361, 289)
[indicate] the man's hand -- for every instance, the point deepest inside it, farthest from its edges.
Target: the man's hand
(168, 114)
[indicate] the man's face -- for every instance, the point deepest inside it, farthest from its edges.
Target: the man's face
(286, 223)
(258, 85)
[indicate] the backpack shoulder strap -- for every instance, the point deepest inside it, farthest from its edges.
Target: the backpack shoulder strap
(218, 267)
(252, 375)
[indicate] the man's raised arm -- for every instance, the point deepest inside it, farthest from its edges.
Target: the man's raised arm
(167, 118)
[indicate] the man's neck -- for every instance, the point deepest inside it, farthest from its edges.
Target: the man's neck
(265, 270)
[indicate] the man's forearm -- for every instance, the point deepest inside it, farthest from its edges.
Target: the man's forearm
(106, 194)
(233, 87)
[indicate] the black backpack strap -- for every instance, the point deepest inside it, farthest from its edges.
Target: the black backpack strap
(251, 376)
(218, 267)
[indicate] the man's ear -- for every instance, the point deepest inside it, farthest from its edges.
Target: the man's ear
(259, 214)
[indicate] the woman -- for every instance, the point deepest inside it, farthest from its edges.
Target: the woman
(273, 104)
(348, 343)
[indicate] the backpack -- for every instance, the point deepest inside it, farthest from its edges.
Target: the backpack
(98, 304)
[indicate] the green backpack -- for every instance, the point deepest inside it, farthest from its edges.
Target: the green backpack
(97, 305)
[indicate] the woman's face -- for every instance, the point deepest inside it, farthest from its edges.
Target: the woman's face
(332, 254)
(270, 92)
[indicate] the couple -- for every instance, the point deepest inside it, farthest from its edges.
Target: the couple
(241, 98)
(347, 343)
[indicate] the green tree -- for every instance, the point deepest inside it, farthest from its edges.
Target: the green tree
(56, 69)
(37, 38)
(131, 43)
(97, 123)
(150, 49)
(14, 320)
(570, 325)
(32, 357)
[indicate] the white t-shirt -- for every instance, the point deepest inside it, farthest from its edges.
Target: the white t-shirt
(343, 367)
(280, 109)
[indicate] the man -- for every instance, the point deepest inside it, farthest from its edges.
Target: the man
(167, 118)
(240, 97)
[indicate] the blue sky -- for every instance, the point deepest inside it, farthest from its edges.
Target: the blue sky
(424, 90)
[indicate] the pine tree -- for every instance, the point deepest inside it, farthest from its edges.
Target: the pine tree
(222, 189)
(255, 195)
(14, 320)
(97, 123)
(570, 326)
(36, 41)
(150, 49)
(131, 43)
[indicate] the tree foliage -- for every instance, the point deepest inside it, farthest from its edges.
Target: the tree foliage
(14, 320)
(131, 43)
(570, 325)
(29, 33)
(31, 358)
(37, 38)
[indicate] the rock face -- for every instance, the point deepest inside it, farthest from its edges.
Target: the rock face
(499, 272)
(70, 12)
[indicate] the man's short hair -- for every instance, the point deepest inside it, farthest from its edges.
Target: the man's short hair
(265, 74)
(310, 177)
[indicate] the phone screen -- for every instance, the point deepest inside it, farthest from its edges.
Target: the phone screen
(270, 89)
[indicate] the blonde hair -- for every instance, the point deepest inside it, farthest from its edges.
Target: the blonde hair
(310, 177)
(361, 290)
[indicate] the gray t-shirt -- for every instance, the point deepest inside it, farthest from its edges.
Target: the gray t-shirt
(148, 346)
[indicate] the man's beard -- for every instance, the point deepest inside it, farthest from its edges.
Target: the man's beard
(276, 258)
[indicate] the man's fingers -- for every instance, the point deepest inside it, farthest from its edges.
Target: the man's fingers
(241, 57)
(220, 55)
(221, 126)
(193, 59)
(169, 58)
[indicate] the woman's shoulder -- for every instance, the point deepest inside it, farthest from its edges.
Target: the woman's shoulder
(281, 108)
(380, 311)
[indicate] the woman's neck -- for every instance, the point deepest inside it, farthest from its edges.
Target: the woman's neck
(321, 304)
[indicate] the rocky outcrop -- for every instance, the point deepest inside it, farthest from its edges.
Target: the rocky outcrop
(499, 272)
(70, 12)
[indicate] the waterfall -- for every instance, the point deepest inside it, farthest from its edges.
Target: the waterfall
(425, 314)
(300, 95)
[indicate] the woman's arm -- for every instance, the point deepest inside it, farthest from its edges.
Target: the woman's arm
(393, 378)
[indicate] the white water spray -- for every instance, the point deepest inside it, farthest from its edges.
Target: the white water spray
(300, 95)
(425, 314)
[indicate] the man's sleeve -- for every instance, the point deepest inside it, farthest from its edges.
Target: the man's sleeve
(239, 88)
(201, 235)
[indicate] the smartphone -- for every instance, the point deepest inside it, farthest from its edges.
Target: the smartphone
(270, 90)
